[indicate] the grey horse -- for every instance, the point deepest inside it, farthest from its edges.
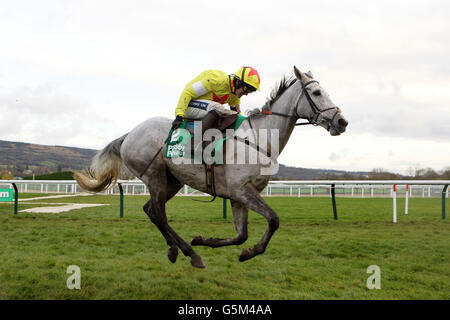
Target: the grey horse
(301, 97)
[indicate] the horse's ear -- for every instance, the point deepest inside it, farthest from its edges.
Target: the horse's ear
(309, 74)
(299, 75)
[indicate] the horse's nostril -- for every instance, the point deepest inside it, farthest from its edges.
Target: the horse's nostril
(342, 122)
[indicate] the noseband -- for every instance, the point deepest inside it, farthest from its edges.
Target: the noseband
(314, 119)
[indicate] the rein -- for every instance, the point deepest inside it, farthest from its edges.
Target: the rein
(317, 112)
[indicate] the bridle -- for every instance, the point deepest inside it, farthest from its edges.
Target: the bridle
(314, 119)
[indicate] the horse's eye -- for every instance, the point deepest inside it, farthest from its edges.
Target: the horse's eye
(317, 93)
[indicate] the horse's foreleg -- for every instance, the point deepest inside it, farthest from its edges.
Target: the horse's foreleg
(240, 216)
(251, 197)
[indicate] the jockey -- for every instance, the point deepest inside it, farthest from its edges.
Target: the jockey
(217, 88)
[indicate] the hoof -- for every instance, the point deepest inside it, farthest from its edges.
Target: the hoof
(245, 255)
(197, 262)
(172, 254)
(198, 240)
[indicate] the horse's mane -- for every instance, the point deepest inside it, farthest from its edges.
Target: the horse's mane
(284, 84)
(276, 92)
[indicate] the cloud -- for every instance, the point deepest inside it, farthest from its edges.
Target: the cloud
(44, 115)
(398, 116)
(338, 155)
(333, 156)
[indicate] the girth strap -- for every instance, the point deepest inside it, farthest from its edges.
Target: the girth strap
(209, 174)
(210, 182)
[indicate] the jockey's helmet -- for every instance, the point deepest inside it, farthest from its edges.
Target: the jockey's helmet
(249, 76)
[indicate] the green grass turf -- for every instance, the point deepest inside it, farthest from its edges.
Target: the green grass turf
(311, 256)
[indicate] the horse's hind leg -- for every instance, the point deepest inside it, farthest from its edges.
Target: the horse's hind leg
(173, 186)
(251, 197)
(158, 193)
(173, 250)
(240, 216)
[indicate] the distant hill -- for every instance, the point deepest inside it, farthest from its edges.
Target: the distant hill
(65, 175)
(23, 159)
(26, 159)
(296, 173)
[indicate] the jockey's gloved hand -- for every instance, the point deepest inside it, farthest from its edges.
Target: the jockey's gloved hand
(177, 122)
(235, 108)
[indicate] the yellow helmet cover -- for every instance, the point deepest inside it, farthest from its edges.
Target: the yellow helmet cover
(248, 75)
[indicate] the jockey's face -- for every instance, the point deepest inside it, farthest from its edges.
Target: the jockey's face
(240, 92)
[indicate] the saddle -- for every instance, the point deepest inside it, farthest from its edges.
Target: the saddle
(213, 120)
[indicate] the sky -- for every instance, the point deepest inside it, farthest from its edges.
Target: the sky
(82, 73)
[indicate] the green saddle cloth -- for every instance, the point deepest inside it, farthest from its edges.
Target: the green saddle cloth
(177, 142)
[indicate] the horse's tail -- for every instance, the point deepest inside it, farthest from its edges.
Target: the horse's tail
(104, 170)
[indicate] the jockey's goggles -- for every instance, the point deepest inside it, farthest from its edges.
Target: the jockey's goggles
(248, 89)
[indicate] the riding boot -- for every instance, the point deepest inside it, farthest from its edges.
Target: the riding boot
(208, 122)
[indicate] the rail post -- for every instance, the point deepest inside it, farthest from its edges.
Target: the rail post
(443, 200)
(394, 197)
(224, 205)
(406, 199)
(333, 201)
(121, 199)
(16, 198)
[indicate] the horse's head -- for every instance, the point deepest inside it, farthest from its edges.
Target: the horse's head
(315, 105)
